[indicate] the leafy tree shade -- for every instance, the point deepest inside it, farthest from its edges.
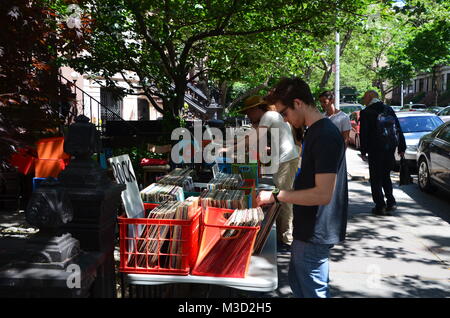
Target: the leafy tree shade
(427, 45)
(162, 42)
(430, 46)
(33, 44)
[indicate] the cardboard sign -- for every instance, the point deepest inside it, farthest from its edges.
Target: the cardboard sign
(124, 174)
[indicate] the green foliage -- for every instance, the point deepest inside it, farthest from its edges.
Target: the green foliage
(34, 41)
(426, 41)
(424, 55)
(136, 154)
(168, 43)
(418, 97)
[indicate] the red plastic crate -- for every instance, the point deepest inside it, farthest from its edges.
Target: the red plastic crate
(23, 162)
(163, 259)
(224, 256)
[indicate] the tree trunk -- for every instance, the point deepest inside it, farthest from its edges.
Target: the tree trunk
(325, 78)
(434, 85)
(329, 68)
(178, 101)
(223, 93)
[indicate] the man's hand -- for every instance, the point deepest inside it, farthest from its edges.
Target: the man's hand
(265, 198)
(364, 157)
(401, 154)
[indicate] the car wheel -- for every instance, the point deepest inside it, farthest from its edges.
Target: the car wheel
(357, 144)
(424, 176)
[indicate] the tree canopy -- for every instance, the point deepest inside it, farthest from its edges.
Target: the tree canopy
(426, 41)
(164, 42)
(34, 42)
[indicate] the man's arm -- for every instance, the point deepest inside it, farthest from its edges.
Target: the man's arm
(346, 135)
(321, 194)
(401, 138)
(363, 132)
(346, 126)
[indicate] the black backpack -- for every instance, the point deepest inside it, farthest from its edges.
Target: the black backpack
(387, 130)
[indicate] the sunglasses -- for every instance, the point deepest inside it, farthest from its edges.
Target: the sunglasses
(283, 112)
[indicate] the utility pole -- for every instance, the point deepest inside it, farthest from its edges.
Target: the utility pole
(337, 71)
(401, 95)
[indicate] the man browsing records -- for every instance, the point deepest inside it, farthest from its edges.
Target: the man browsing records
(320, 194)
(263, 115)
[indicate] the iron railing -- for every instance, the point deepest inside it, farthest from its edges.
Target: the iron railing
(98, 113)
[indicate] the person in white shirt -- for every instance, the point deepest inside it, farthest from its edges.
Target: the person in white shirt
(338, 117)
(263, 115)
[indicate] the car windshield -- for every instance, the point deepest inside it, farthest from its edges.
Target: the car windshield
(419, 123)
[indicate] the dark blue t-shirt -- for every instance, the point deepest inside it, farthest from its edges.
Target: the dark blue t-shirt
(324, 152)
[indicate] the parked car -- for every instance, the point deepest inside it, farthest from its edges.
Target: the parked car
(433, 159)
(414, 107)
(396, 108)
(350, 108)
(354, 132)
(445, 114)
(434, 109)
(414, 125)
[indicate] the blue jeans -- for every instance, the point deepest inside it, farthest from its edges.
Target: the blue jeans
(309, 270)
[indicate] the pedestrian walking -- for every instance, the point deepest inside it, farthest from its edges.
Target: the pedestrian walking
(380, 135)
(263, 115)
(320, 194)
(338, 117)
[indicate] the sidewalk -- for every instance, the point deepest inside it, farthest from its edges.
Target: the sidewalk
(405, 255)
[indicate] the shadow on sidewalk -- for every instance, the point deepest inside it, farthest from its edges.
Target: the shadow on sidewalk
(409, 286)
(438, 202)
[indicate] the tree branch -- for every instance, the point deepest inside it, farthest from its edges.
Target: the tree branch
(158, 48)
(216, 32)
(249, 93)
(198, 74)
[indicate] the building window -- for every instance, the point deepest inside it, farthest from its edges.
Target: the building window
(421, 85)
(143, 109)
(112, 105)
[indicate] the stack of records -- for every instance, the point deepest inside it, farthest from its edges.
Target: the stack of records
(271, 213)
(182, 172)
(226, 181)
(244, 217)
(226, 199)
(160, 244)
(181, 177)
(160, 192)
(185, 182)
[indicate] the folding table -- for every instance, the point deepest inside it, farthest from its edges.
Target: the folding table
(262, 274)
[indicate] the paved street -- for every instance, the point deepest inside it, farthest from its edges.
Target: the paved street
(405, 255)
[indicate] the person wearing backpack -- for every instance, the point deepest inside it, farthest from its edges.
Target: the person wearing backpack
(380, 135)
